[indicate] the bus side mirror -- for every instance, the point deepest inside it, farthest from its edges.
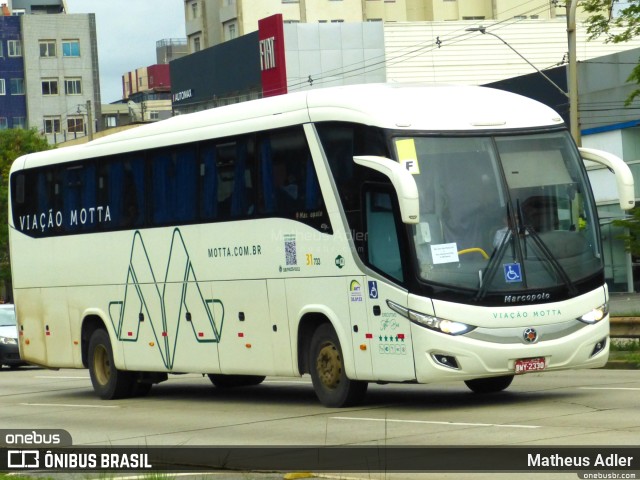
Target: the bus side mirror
(403, 183)
(624, 177)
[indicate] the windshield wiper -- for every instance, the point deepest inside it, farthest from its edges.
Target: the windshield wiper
(553, 262)
(492, 266)
(525, 230)
(498, 253)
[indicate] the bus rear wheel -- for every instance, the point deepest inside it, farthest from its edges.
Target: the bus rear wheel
(489, 385)
(326, 365)
(108, 382)
(231, 381)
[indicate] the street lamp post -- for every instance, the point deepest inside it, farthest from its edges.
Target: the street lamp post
(572, 76)
(483, 30)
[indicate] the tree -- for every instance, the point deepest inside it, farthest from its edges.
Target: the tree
(631, 237)
(618, 22)
(13, 144)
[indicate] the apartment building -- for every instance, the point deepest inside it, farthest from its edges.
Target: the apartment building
(13, 104)
(210, 22)
(61, 74)
(50, 79)
(147, 91)
(36, 7)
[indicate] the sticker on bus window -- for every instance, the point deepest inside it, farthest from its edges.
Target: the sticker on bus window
(512, 273)
(444, 253)
(408, 156)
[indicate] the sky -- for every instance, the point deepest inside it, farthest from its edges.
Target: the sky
(127, 34)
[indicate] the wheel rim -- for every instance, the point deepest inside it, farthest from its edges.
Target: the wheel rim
(101, 365)
(329, 366)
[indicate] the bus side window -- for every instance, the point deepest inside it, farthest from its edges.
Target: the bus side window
(242, 201)
(185, 192)
(208, 183)
(173, 178)
(290, 187)
(128, 190)
(228, 171)
(79, 194)
(383, 248)
(225, 168)
(341, 141)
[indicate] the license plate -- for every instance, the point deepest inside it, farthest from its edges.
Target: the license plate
(525, 365)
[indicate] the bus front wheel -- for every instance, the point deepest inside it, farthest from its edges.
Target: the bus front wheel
(489, 385)
(326, 365)
(108, 382)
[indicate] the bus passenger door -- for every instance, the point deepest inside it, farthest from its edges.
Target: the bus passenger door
(389, 333)
(356, 286)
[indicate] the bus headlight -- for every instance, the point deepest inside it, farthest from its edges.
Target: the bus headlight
(431, 322)
(8, 341)
(595, 315)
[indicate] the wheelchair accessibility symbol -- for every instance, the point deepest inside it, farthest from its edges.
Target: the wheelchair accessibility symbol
(512, 273)
(373, 289)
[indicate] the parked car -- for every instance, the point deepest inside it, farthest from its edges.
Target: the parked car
(9, 352)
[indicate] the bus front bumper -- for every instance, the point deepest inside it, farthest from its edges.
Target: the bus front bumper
(440, 357)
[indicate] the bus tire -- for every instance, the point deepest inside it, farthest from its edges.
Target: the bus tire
(489, 385)
(326, 365)
(232, 381)
(108, 382)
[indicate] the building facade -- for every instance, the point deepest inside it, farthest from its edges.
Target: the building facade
(147, 90)
(49, 76)
(278, 58)
(169, 49)
(61, 75)
(210, 22)
(13, 103)
(154, 77)
(37, 7)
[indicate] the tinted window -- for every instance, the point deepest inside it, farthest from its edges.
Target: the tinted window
(269, 174)
(341, 142)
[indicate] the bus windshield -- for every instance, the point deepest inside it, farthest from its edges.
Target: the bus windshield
(501, 214)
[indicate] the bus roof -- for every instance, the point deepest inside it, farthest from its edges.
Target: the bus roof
(395, 106)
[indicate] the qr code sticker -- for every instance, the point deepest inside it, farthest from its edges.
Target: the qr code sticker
(290, 253)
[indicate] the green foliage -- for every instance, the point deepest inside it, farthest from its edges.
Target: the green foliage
(617, 25)
(626, 345)
(632, 237)
(13, 144)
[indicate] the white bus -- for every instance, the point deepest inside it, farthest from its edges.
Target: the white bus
(370, 233)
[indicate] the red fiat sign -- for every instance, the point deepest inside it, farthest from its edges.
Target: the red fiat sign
(272, 61)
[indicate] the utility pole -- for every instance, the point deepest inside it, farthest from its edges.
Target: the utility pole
(572, 74)
(89, 121)
(303, 11)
